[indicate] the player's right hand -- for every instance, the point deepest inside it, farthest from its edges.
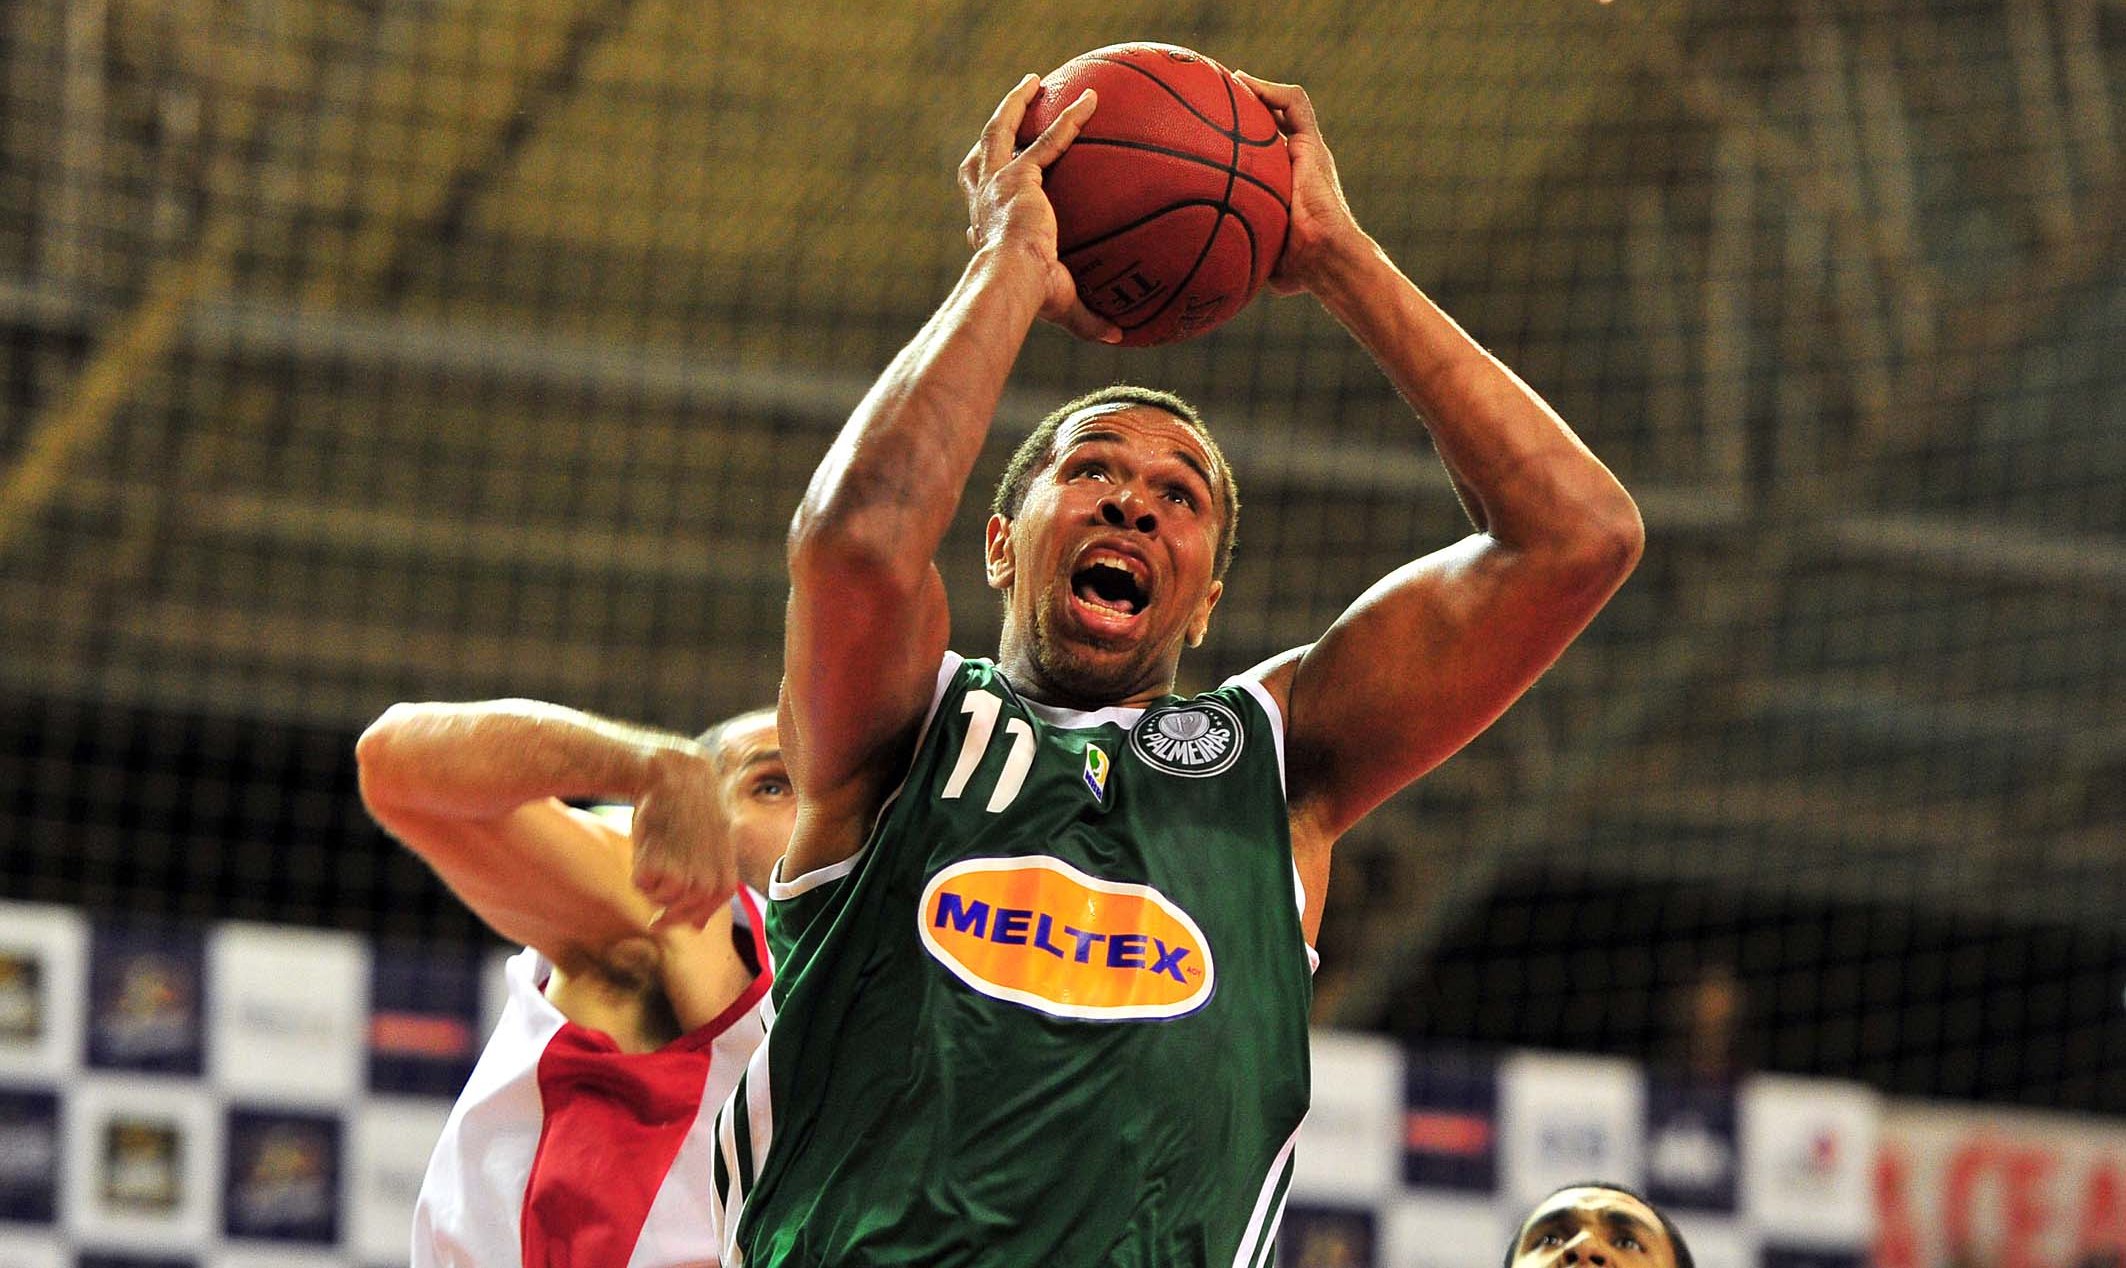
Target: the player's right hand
(1007, 208)
(683, 854)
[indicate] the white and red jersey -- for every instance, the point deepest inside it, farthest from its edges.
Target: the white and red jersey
(564, 1150)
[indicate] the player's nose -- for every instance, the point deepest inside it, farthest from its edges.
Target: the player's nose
(1581, 1251)
(1124, 509)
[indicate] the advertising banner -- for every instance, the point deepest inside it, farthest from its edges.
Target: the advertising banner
(290, 1013)
(43, 966)
(2007, 1189)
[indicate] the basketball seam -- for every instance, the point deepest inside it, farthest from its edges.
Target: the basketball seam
(1232, 174)
(1184, 155)
(1224, 213)
(1233, 133)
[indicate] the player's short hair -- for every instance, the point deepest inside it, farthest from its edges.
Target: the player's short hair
(1668, 1226)
(713, 738)
(1034, 452)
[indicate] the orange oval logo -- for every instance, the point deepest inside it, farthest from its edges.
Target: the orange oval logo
(1038, 932)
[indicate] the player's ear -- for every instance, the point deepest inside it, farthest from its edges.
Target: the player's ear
(996, 553)
(1200, 624)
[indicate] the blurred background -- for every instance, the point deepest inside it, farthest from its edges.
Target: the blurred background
(354, 351)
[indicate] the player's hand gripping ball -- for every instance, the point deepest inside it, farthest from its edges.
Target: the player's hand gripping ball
(1171, 205)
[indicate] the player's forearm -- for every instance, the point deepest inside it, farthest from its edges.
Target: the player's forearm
(481, 761)
(888, 488)
(1525, 477)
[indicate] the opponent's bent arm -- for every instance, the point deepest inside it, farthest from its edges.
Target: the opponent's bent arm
(472, 789)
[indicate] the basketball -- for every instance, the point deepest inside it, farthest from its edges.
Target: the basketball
(1172, 203)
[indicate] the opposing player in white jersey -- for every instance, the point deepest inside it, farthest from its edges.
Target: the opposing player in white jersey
(583, 1136)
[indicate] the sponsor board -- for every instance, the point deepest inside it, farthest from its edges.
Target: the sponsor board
(390, 1139)
(1564, 1119)
(142, 1153)
(1350, 1146)
(1808, 1148)
(1427, 1229)
(1450, 1123)
(1317, 1236)
(282, 1181)
(424, 1021)
(146, 1007)
(27, 1250)
(290, 1010)
(43, 972)
(2003, 1188)
(1691, 1146)
(30, 1159)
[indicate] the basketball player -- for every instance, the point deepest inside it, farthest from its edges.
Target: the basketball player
(582, 1136)
(1044, 928)
(1597, 1224)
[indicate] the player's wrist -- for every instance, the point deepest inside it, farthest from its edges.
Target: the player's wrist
(1014, 263)
(1341, 267)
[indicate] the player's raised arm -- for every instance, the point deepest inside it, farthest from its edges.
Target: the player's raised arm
(472, 789)
(867, 622)
(1435, 651)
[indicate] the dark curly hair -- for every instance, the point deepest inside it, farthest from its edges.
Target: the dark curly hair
(1033, 454)
(1668, 1227)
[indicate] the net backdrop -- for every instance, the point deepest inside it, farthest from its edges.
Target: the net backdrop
(357, 352)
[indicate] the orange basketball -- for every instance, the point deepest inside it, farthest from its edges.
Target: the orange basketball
(1172, 203)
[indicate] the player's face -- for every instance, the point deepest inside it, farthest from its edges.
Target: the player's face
(1108, 567)
(758, 797)
(1593, 1228)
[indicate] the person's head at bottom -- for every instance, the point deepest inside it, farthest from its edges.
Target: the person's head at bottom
(1597, 1224)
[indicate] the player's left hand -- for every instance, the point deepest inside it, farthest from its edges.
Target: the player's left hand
(683, 855)
(1322, 223)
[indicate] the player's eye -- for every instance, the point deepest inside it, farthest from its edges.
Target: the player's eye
(1089, 469)
(1180, 496)
(771, 786)
(1551, 1239)
(1628, 1242)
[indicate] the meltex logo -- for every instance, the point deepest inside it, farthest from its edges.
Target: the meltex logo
(1040, 933)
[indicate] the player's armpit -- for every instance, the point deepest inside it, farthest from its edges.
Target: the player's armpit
(1426, 659)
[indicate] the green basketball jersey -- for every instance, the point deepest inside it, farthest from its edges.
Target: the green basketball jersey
(1055, 1010)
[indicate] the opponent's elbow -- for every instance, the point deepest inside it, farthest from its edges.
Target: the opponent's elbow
(381, 758)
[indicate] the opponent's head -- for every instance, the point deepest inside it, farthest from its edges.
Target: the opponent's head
(1597, 1224)
(755, 787)
(1109, 537)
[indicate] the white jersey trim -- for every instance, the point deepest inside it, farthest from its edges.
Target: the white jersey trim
(1263, 1221)
(1076, 719)
(780, 890)
(1269, 706)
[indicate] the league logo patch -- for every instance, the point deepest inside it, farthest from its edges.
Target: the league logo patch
(1038, 932)
(1096, 768)
(1197, 739)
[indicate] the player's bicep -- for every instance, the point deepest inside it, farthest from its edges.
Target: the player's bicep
(550, 877)
(860, 661)
(1419, 665)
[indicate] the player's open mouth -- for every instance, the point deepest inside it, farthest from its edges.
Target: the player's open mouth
(1112, 586)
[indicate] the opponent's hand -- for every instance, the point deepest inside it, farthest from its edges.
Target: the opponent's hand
(1322, 223)
(683, 856)
(1007, 208)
